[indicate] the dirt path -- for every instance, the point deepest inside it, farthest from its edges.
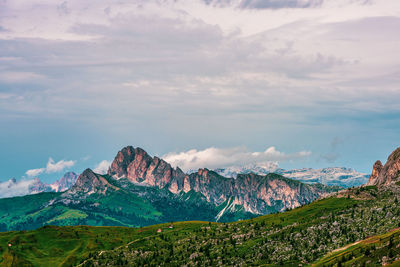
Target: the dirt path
(345, 247)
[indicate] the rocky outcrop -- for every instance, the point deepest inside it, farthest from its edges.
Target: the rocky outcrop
(256, 193)
(387, 174)
(138, 167)
(376, 170)
(89, 182)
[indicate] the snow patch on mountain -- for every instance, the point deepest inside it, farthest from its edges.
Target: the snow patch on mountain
(233, 171)
(340, 176)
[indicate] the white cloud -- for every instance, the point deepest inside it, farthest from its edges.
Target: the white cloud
(153, 66)
(35, 172)
(240, 57)
(102, 167)
(223, 157)
(51, 167)
(58, 166)
(13, 188)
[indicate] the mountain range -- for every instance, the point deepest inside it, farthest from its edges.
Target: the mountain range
(335, 176)
(62, 184)
(141, 190)
(13, 187)
(356, 226)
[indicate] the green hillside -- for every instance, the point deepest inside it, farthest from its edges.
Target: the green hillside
(68, 245)
(378, 250)
(129, 205)
(297, 237)
(61, 246)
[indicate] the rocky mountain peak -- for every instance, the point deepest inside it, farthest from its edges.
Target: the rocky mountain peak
(139, 167)
(90, 182)
(87, 176)
(128, 160)
(255, 193)
(387, 174)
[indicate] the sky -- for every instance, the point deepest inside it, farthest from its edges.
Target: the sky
(304, 83)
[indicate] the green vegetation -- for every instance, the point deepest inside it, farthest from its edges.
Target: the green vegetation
(14, 211)
(297, 237)
(66, 246)
(130, 205)
(374, 251)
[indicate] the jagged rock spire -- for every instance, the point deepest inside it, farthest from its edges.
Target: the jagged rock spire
(387, 174)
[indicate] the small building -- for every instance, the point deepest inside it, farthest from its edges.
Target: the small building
(159, 230)
(9, 244)
(170, 226)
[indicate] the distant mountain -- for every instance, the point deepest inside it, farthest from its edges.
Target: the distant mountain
(22, 187)
(65, 182)
(233, 171)
(62, 184)
(339, 176)
(142, 190)
(37, 186)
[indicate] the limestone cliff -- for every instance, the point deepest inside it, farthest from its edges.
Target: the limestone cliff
(387, 174)
(256, 193)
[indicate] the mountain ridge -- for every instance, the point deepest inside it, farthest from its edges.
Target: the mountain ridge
(254, 192)
(339, 176)
(141, 190)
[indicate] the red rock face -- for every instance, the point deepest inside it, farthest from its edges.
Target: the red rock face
(254, 192)
(89, 182)
(388, 174)
(138, 167)
(122, 160)
(376, 170)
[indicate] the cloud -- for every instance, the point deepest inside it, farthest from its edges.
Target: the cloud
(58, 166)
(102, 167)
(224, 157)
(266, 4)
(191, 72)
(35, 172)
(237, 59)
(51, 167)
(13, 188)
